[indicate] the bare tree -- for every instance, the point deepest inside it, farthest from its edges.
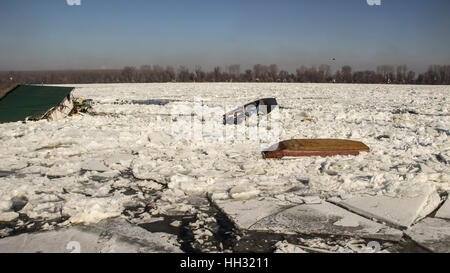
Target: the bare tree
(284, 76)
(217, 74)
(387, 72)
(200, 76)
(410, 77)
(248, 76)
(129, 74)
(325, 70)
(347, 73)
(401, 73)
(234, 69)
(300, 73)
(183, 74)
(258, 70)
(273, 71)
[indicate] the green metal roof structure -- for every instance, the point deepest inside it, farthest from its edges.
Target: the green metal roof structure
(18, 102)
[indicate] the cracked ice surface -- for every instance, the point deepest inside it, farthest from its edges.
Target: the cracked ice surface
(401, 212)
(70, 167)
(432, 233)
(323, 218)
(116, 236)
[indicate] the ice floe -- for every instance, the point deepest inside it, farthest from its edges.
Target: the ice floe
(432, 233)
(115, 236)
(444, 211)
(401, 212)
(246, 213)
(92, 210)
(323, 218)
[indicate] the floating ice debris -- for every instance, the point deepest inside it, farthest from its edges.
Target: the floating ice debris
(81, 106)
(246, 213)
(285, 247)
(116, 236)
(92, 210)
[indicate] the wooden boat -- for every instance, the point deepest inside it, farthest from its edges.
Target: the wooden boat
(315, 147)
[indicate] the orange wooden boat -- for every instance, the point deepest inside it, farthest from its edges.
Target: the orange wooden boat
(315, 147)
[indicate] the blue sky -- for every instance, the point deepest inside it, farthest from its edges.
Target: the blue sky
(49, 34)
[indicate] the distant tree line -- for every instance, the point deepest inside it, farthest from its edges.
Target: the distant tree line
(387, 74)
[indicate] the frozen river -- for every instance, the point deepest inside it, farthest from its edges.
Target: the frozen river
(151, 150)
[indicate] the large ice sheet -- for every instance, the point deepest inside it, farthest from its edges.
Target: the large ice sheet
(247, 213)
(401, 212)
(324, 218)
(116, 236)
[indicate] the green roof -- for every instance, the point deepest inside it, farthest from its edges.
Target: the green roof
(30, 101)
(5, 88)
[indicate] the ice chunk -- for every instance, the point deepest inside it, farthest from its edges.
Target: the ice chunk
(444, 211)
(324, 218)
(246, 213)
(120, 161)
(7, 164)
(5, 205)
(116, 236)
(92, 210)
(243, 191)
(94, 165)
(62, 168)
(159, 138)
(285, 247)
(401, 212)
(148, 169)
(149, 185)
(311, 199)
(188, 184)
(8, 216)
(432, 233)
(151, 242)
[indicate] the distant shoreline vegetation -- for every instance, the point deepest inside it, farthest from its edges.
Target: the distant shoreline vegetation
(385, 74)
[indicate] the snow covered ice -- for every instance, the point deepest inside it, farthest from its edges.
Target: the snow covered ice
(89, 168)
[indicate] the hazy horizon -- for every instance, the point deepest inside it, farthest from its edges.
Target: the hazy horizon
(100, 34)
